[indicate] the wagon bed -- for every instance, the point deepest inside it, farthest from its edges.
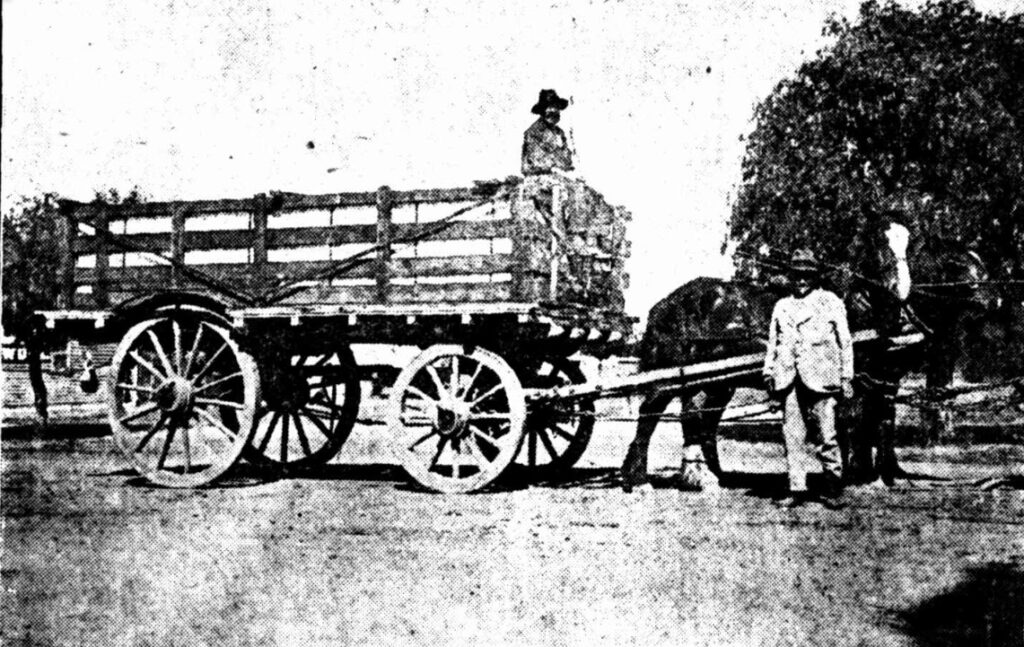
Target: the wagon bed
(235, 319)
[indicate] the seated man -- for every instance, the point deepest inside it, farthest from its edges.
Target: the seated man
(545, 146)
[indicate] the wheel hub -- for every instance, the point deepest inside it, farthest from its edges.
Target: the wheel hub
(288, 391)
(175, 396)
(453, 420)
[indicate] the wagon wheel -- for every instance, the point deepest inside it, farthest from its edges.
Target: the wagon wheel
(557, 433)
(172, 379)
(307, 414)
(456, 416)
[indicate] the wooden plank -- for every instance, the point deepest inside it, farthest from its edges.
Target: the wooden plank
(349, 234)
(301, 236)
(282, 202)
(399, 294)
(241, 274)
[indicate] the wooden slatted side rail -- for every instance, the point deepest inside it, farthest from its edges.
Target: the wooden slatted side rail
(252, 243)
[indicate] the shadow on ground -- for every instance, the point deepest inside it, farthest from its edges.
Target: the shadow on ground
(986, 609)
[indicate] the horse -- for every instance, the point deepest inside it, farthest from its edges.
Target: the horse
(710, 318)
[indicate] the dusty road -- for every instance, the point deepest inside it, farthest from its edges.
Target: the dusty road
(92, 556)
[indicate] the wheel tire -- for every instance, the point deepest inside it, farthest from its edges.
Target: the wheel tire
(171, 379)
(471, 408)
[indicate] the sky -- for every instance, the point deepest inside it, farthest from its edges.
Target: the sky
(193, 99)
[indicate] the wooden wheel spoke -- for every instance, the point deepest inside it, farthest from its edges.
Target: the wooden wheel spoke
(531, 442)
(138, 413)
(454, 378)
(151, 432)
(423, 396)
(136, 387)
(438, 384)
(422, 439)
(209, 363)
(219, 380)
(489, 416)
(217, 424)
(160, 352)
(166, 448)
(558, 430)
(190, 358)
(471, 382)
(490, 392)
(285, 425)
(146, 365)
(546, 441)
(188, 449)
(487, 438)
(178, 350)
(315, 419)
(300, 431)
(221, 403)
(270, 431)
(441, 442)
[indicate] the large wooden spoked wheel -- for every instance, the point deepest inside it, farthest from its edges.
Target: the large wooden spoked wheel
(171, 381)
(456, 417)
(305, 418)
(557, 433)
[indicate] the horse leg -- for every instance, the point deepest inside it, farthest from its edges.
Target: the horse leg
(701, 466)
(634, 467)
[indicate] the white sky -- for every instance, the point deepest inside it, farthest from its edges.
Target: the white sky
(188, 101)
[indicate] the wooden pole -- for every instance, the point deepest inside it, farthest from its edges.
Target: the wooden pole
(66, 230)
(385, 201)
(102, 226)
(177, 244)
(261, 207)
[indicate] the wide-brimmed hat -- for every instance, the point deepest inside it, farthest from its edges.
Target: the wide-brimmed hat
(549, 98)
(804, 261)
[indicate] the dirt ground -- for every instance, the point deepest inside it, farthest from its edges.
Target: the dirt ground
(355, 555)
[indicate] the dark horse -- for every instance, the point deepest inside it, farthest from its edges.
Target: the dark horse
(708, 318)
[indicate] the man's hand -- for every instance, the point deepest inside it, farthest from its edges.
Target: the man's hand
(769, 384)
(847, 388)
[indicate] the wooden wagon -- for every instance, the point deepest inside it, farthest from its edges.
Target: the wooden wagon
(234, 321)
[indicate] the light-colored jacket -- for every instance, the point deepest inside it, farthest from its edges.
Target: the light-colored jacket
(809, 337)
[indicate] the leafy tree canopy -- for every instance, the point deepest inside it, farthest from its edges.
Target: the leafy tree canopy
(31, 276)
(921, 111)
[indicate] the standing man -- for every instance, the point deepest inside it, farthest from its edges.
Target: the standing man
(545, 146)
(809, 364)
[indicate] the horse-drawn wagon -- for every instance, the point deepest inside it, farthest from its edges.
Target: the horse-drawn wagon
(234, 322)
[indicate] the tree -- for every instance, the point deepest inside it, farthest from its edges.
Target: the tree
(31, 274)
(918, 110)
(31, 279)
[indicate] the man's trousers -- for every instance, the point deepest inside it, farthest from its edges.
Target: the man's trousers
(806, 409)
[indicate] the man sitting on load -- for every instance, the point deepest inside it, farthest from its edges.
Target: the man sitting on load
(545, 146)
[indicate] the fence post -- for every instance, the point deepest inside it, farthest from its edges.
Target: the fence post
(385, 201)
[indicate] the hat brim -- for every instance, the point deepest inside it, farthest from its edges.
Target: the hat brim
(804, 270)
(559, 103)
